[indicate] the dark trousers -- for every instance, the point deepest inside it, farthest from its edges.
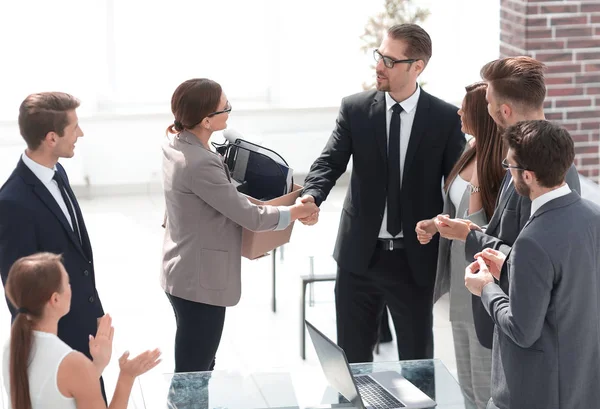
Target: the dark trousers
(359, 302)
(199, 329)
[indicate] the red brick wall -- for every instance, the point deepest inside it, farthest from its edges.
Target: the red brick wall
(565, 35)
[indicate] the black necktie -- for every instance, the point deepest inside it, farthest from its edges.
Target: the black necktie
(394, 221)
(65, 196)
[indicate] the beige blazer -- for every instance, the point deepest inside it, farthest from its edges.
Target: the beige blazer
(204, 219)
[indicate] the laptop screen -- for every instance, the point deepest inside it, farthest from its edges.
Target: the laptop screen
(335, 365)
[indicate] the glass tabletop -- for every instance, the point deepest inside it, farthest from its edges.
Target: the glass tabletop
(303, 388)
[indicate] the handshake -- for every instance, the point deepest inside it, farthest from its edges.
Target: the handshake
(305, 210)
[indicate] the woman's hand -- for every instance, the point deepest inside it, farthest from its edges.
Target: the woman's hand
(140, 364)
(101, 344)
(425, 230)
(304, 209)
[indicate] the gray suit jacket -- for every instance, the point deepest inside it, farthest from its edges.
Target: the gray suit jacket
(546, 350)
(447, 265)
(511, 213)
(204, 219)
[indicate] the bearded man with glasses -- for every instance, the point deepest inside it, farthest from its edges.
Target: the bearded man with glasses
(403, 142)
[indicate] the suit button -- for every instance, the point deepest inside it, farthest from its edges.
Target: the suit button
(86, 273)
(90, 262)
(91, 299)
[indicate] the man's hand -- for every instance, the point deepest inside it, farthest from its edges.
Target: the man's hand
(101, 344)
(425, 230)
(477, 276)
(494, 259)
(313, 218)
(454, 229)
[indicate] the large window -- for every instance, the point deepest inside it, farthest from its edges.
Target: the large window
(128, 56)
(159, 44)
(50, 46)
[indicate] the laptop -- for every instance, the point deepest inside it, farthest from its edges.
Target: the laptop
(378, 390)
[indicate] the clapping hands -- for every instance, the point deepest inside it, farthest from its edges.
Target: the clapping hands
(101, 344)
(454, 229)
(101, 351)
(494, 259)
(140, 364)
(425, 230)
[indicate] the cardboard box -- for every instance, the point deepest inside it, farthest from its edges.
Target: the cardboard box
(258, 244)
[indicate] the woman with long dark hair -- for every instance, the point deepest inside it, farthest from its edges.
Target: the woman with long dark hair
(470, 193)
(40, 370)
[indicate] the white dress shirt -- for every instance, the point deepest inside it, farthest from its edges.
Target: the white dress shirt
(546, 197)
(407, 117)
(46, 175)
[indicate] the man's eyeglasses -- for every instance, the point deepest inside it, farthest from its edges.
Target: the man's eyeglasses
(507, 165)
(226, 110)
(389, 62)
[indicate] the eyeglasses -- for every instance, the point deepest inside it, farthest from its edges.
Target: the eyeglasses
(507, 165)
(389, 62)
(226, 110)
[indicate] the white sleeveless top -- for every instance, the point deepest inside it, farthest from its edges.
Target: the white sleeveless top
(457, 190)
(47, 352)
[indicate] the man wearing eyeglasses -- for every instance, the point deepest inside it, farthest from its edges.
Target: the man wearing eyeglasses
(403, 142)
(516, 92)
(546, 349)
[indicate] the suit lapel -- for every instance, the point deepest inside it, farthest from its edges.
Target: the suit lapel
(46, 197)
(559, 202)
(510, 190)
(505, 181)
(417, 131)
(377, 115)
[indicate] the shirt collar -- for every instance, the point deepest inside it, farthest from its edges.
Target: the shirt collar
(408, 104)
(43, 173)
(546, 197)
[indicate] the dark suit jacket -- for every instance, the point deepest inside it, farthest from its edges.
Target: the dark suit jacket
(511, 213)
(547, 341)
(30, 222)
(436, 142)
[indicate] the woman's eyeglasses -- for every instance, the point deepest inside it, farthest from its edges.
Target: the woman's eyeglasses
(226, 110)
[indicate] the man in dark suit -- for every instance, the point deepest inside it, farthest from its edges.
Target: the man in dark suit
(516, 92)
(39, 212)
(403, 142)
(546, 349)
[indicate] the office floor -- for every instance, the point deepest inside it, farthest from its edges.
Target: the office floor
(127, 240)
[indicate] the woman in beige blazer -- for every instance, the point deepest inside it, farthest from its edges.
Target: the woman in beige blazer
(205, 215)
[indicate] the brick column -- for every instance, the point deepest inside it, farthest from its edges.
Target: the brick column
(565, 35)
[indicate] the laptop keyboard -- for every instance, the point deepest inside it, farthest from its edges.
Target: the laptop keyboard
(375, 395)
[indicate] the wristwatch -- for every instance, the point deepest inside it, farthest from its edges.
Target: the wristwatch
(474, 189)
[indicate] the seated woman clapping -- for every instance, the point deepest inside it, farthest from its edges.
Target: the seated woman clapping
(40, 370)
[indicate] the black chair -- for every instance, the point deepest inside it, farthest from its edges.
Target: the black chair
(306, 280)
